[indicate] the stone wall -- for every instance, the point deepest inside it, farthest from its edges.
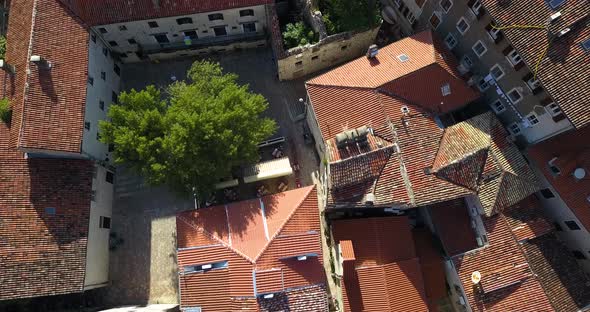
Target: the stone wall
(329, 51)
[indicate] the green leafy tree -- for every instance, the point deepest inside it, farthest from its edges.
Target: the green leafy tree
(5, 111)
(349, 15)
(195, 136)
(2, 47)
(297, 34)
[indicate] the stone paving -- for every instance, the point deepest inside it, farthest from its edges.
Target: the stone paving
(143, 267)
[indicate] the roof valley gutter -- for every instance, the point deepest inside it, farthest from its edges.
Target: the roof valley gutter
(27, 73)
(264, 219)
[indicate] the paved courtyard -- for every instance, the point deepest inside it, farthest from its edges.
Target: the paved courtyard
(143, 266)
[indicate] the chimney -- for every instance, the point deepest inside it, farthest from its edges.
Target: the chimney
(372, 51)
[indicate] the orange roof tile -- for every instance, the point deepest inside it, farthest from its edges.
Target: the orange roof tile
(259, 239)
(347, 250)
(453, 226)
(392, 287)
(572, 150)
(525, 219)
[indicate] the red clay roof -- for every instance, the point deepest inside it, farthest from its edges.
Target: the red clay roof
(525, 219)
(259, 242)
(49, 112)
(453, 226)
(507, 282)
(572, 150)
(392, 287)
(118, 11)
(564, 70)
(385, 274)
(42, 254)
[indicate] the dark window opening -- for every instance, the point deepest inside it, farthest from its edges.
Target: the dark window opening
(131, 41)
(113, 43)
(90, 80)
(110, 177)
(105, 51)
(93, 38)
(547, 193)
(572, 225)
(578, 254)
(111, 147)
(122, 28)
(220, 31)
(117, 70)
(315, 57)
(103, 75)
(215, 17)
(192, 34)
(184, 20)
(557, 226)
(161, 38)
(97, 136)
(247, 12)
(105, 222)
(153, 24)
(103, 30)
(101, 105)
(87, 125)
(249, 27)
(114, 97)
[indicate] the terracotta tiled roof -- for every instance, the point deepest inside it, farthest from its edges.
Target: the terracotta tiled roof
(392, 287)
(507, 282)
(385, 274)
(525, 219)
(259, 239)
(118, 11)
(565, 283)
(41, 253)
(564, 70)
(475, 154)
(49, 111)
(572, 150)
(453, 226)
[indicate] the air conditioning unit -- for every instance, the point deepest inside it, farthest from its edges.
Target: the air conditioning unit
(369, 199)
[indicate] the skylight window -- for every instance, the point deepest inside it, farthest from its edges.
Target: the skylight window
(554, 4)
(586, 45)
(403, 58)
(445, 89)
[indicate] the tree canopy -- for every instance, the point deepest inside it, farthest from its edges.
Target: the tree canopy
(193, 136)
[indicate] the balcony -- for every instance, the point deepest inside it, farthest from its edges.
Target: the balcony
(199, 43)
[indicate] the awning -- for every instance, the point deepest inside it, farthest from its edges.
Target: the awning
(268, 170)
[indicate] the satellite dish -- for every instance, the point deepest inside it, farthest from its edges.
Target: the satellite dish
(579, 173)
(475, 277)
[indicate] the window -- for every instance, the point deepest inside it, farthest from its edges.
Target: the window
(514, 58)
(445, 89)
(315, 57)
(87, 125)
(93, 195)
(533, 83)
(434, 20)
(497, 72)
(586, 45)
(403, 57)
(91, 80)
(554, 4)
(161, 38)
(578, 255)
(479, 48)
(514, 129)
(467, 61)
(131, 41)
(547, 193)
(220, 31)
(50, 210)
(104, 222)
(553, 109)
(205, 267)
(249, 27)
(122, 28)
(554, 169)
(103, 30)
(450, 41)
(101, 105)
(110, 177)
(247, 12)
(114, 97)
(153, 24)
(105, 51)
(483, 85)
(498, 106)
(184, 20)
(557, 226)
(103, 75)
(93, 38)
(476, 7)
(462, 25)
(494, 33)
(299, 63)
(532, 119)
(113, 43)
(117, 70)
(97, 136)
(514, 96)
(215, 17)
(572, 225)
(411, 18)
(446, 5)
(192, 34)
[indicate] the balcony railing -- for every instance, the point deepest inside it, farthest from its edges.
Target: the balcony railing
(200, 43)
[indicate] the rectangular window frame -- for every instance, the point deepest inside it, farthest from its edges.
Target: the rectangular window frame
(514, 58)
(485, 49)
(184, 20)
(572, 225)
(532, 119)
(514, 128)
(510, 98)
(438, 17)
(454, 41)
(249, 24)
(153, 24)
(464, 20)
(483, 86)
(553, 109)
(440, 3)
(215, 17)
(246, 12)
(219, 27)
(104, 222)
(498, 67)
(498, 107)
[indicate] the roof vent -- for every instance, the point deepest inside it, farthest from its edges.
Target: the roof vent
(475, 277)
(372, 51)
(301, 258)
(579, 173)
(369, 199)
(553, 17)
(563, 32)
(403, 57)
(268, 296)
(405, 110)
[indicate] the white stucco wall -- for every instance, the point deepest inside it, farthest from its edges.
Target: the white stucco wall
(143, 33)
(545, 128)
(100, 90)
(97, 252)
